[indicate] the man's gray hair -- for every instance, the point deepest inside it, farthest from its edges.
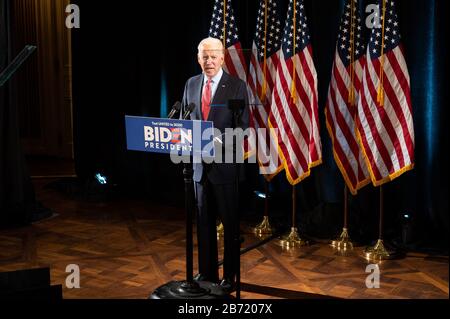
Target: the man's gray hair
(210, 40)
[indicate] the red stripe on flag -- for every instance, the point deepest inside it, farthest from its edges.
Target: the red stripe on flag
(348, 133)
(365, 144)
(399, 110)
(343, 159)
(386, 121)
(295, 115)
(289, 134)
(230, 64)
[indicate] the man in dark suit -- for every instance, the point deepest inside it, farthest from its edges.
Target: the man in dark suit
(211, 92)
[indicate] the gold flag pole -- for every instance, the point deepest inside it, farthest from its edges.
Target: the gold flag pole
(351, 89)
(264, 228)
(294, 74)
(224, 23)
(343, 243)
(293, 239)
(380, 251)
(264, 85)
(380, 91)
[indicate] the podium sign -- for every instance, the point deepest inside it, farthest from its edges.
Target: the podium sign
(170, 136)
(187, 139)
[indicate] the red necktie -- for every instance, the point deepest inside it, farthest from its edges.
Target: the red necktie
(206, 100)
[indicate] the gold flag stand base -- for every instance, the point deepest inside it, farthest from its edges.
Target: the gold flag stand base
(264, 228)
(380, 252)
(292, 240)
(219, 229)
(343, 243)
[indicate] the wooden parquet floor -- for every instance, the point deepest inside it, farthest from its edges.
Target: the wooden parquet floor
(126, 249)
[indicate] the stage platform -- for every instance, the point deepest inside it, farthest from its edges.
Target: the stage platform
(127, 248)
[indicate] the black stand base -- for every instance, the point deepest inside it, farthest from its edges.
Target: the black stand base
(185, 290)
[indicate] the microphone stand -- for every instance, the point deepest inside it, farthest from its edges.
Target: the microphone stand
(236, 106)
(189, 289)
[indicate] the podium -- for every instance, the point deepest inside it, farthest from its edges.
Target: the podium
(185, 141)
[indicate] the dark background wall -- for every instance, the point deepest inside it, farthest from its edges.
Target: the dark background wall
(123, 49)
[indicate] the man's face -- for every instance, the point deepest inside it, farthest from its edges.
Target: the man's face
(210, 59)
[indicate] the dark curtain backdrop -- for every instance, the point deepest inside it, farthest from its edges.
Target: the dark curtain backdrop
(17, 199)
(124, 49)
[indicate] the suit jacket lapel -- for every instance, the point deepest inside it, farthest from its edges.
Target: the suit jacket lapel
(198, 96)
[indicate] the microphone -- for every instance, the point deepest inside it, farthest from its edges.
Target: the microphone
(189, 110)
(175, 109)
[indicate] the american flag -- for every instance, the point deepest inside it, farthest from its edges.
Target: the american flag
(224, 27)
(343, 93)
(294, 110)
(384, 122)
(261, 79)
